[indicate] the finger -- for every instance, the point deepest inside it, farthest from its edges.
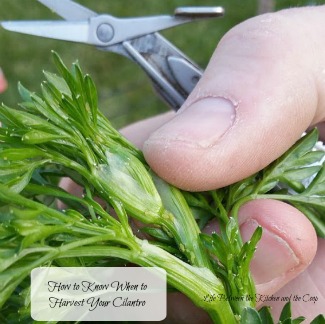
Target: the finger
(264, 86)
(286, 249)
(3, 82)
(308, 288)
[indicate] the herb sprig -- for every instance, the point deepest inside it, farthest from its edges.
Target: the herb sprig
(61, 133)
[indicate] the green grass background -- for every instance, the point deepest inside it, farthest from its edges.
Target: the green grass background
(125, 93)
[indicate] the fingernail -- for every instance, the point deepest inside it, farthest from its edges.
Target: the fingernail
(202, 123)
(273, 257)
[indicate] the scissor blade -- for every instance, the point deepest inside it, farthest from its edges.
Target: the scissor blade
(69, 10)
(74, 31)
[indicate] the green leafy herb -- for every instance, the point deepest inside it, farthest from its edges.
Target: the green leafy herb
(263, 316)
(61, 133)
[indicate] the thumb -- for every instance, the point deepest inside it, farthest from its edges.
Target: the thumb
(264, 86)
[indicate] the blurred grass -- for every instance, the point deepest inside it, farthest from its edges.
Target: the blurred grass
(125, 93)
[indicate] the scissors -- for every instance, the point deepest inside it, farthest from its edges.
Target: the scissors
(172, 73)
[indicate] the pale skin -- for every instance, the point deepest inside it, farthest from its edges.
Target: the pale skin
(3, 82)
(264, 86)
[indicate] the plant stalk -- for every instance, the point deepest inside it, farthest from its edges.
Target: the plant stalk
(194, 282)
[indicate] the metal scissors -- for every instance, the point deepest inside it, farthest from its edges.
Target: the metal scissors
(172, 73)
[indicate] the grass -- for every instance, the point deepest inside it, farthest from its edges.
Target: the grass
(124, 90)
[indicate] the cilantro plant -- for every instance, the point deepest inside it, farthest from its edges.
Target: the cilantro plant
(61, 133)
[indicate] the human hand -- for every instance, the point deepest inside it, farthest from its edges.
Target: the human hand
(3, 82)
(264, 86)
(287, 248)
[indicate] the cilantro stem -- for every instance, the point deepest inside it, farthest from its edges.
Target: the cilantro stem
(179, 221)
(192, 281)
